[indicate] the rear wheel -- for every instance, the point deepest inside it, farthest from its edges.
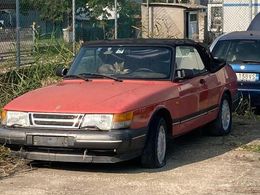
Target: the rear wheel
(155, 149)
(222, 124)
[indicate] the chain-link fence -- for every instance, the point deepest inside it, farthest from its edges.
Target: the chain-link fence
(7, 32)
(230, 15)
(27, 26)
(40, 24)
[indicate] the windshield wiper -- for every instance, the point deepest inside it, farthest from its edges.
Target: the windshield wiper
(251, 61)
(101, 75)
(76, 77)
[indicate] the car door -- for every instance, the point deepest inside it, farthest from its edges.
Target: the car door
(214, 77)
(193, 92)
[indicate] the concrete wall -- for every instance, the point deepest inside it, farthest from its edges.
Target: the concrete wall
(202, 25)
(170, 22)
(165, 22)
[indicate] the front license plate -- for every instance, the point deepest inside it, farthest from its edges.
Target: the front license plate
(251, 77)
(50, 141)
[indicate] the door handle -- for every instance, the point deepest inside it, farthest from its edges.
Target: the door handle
(202, 81)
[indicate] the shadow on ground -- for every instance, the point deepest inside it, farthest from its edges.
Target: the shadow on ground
(184, 150)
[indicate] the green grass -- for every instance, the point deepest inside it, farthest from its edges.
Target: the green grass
(19, 81)
(251, 147)
(4, 153)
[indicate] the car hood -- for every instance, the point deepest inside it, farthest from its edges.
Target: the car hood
(97, 96)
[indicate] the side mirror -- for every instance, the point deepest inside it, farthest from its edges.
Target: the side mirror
(184, 74)
(61, 72)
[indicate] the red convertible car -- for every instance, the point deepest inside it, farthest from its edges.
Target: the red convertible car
(120, 100)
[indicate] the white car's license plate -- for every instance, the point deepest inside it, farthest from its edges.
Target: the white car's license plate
(246, 77)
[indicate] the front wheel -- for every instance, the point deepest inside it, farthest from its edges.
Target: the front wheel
(155, 148)
(222, 124)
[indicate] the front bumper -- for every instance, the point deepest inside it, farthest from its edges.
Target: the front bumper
(80, 146)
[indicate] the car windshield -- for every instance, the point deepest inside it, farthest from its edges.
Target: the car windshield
(124, 62)
(237, 51)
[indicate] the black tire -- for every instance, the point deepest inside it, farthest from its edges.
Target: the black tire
(223, 123)
(257, 110)
(154, 152)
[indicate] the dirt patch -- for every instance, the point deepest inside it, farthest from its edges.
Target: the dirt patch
(10, 164)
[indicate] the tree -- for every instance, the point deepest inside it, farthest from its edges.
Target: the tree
(129, 12)
(56, 11)
(50, 10)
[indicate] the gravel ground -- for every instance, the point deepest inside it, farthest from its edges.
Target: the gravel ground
(197, 164)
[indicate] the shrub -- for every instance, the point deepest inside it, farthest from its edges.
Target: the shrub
(19, 81)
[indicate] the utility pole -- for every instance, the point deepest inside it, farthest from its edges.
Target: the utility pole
(73, 28)
(250, 11)
(115, 19)
(18, 60)
(148, 19)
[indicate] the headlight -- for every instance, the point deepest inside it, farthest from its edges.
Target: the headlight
(107, 121)
(12, 118)
(100, 121)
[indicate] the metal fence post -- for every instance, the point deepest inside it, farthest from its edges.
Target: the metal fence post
(115, 19)
(250, 11)
(73, 28)
(18, 60)
(34, 35)
(148, 19)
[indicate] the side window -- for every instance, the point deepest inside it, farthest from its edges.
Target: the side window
(187, 57)
(220, 51)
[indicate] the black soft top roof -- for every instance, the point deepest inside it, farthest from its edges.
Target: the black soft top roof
(161, 42)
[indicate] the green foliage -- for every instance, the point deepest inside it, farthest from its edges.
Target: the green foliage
(54, 10)
(129, 13)
(4, 153)
(251, 147)
(50, 10)
(99, 5)
(57, 10)
(20, 81)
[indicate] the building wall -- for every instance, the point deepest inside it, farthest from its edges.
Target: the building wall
(165, 22)
(202, 25)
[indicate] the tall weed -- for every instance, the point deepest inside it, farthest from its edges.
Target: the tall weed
(48, 55)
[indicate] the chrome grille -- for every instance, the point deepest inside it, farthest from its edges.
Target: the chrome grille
(51, 120)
